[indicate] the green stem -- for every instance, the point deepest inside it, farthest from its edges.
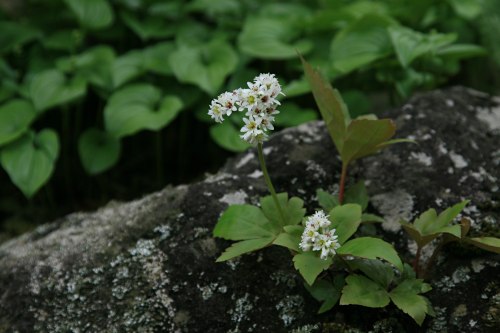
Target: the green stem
(342, 183)
(268, 182)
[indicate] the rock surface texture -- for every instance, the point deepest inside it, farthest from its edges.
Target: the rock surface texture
(149, 265)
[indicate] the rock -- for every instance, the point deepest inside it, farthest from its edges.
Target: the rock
(149, 265)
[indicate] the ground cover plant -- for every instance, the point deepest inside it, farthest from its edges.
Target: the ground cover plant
(338, 263)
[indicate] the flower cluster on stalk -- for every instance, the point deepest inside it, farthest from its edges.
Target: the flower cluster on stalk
(318, 236)
(259, 103)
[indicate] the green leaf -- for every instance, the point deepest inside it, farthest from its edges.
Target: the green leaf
(363, 137)
(290, 238)
(271, 38)
(326, 200)
(467, 9)
(345, 220)
(461, 51)
(51, 88)
(447, 216)
(245, 246)
(240, 222)
(292, 209)
(376, 270)
(92, 14)
(64, 40)
(371, 248)
(310, 265)
(98, 150)
(326, 292)
(362, 291)
(331, 106)
(15, 118)
(293, 115)
(30, 160)
(127, 67)
(371, 218)
(357, 194)
(491, 244)
(228, 137)
(361, 42)
(424, 223)
(133, 108)
(206, 66)
(94, 65)
(406, 297)
(148, 27)
(154, 58)
(14, 35)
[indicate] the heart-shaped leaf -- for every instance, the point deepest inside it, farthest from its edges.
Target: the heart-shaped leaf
(15, 118)
(126, 67)
(271, 38)
(98, 150)
(206, 66)
(228, 137)
(138, 107)
(30, 160)
(148, 26)
(360, 290)
(51, 88)
(15, 35)
(92, 14)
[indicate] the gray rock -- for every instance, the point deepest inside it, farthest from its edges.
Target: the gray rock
(148, 265)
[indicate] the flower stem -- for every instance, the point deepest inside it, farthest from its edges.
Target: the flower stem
(268, 182)
(342, 183)
(416, 263)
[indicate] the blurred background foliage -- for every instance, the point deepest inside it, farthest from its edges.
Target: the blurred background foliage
(104, 99)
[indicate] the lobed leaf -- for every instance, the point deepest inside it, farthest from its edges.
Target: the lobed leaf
(310, 265)
(242, 222)
(345, 220)
(377, 270)
(371, 248)
(360, 290)
(326, 292)
(292, 209)
(290, 238)
(406, 297)
(243, 247)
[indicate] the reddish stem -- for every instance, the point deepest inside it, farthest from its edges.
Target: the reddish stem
(416, 263)
(342, 184)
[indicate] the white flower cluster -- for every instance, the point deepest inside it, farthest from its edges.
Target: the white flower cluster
(260, 103)
(318, 236)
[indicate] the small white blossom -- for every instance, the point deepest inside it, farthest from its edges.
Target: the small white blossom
(216, 111)
(228, 101)
(318, 236)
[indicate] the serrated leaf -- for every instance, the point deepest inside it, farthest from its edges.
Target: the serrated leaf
(491, 244)
(98, 150)
(132, 109)
(331, 106)
(206, 66)
(241, 222)
(360, 290)
(378, 271)
(92, 14)
(15, 118)
(51, 88)
(361, 42)
(245, 246)
(406, 298)
(292, 209)
(271, 38)
(30, 160)
(310, 265)
(228, 137)
(326, 200)
(363, 137)
(357, 194)
(290, 238)
(345, 220)
(326, 292)
(371, 248)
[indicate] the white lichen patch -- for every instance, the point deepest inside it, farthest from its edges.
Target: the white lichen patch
(164, 231)
(256, 174)
(458, 160)
(394, 207)
(426, 251)
(315, 170)
(461, 275)
(208, 290)
(490, 116)
(450, 103)
(421, 158)
(268, 150)
(290, 309)
(239, 312)
(442, 148)
(244, 160)
(234, 198)
(309, 132)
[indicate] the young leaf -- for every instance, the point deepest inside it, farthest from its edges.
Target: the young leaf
(363, 137)
(292, 209)
(491, 244)
(447, 216)
(245, 246)
(406, 297)
(30, 160)
(330, 104)
(345, 220)
(310, 265)
(241, 222)
(360, 290)
(98, 150)
(371, 248)
(357, 194)
(326, 200)
(15, 118)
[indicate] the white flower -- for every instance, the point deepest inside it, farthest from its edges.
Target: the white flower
(317, 236)
(252, 130)
(228, 102)
(216, 111)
